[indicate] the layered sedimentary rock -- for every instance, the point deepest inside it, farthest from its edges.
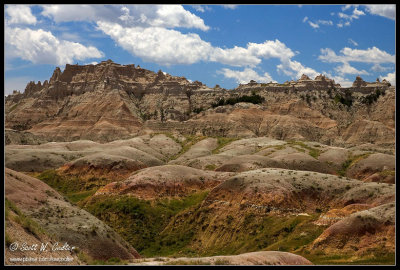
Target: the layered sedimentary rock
(109, 101)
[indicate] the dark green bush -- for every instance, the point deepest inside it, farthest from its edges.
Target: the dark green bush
(371, 98)
(254, 98)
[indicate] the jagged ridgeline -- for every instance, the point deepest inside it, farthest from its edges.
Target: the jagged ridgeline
(109, 101)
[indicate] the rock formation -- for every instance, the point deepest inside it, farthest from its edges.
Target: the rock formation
(110, 101)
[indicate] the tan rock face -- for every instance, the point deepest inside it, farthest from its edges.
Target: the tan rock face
(109, 101)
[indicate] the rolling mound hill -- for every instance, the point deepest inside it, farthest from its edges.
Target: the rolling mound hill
(21, 229)
(361, 232)
(68, 223)
(165, 181)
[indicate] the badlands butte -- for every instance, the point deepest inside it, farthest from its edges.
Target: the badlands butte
(136, 167)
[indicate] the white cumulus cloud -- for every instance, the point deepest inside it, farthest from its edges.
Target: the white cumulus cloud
(168, 46)
(295, 69)
(390, 77)
(230, 6)
(270, 49)
(177, 16)
(344, 82)
(347, 18)
(379, 68)
(355, 15)
(346, 7)
(201, 8)
(347, 69)
(145, 31)
(370, 55)
(20, 14)
(388, 11)
(39, 46)
(245, 75)
(156, 44)
(168, 16)
(236, 56)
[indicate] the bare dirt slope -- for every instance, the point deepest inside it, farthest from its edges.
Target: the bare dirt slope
(165, 181)
(361, 232)
(67, 222)
(252, 258)
(20, 229)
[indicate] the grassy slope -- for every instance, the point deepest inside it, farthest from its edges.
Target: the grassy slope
(140, 222)
(73, 188)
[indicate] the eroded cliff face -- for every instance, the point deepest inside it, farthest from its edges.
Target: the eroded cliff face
(100, 102)
(109, 101)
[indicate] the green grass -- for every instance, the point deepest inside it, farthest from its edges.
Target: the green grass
(211, 167)
(168, 134)
(314, 152)
(7, 239)
(80, 196)
(72, 187)
(280, 147)
(172, 227)
(191, 262)
(187, 144)
(350, 161)
(87, 259)
(140, 222)
(221, 262)
(111, 261)
(223, 141)
(299, 149)
(28, 224)
(384, 259)
(301, 232)
(237, 234)
(388, 173)
(344, 259)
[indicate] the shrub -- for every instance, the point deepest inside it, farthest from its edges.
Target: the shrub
(254, 98)
(371, 98)
(211, 167)
(346, 99)
(198, 110)
(229, 219)
(221, 262)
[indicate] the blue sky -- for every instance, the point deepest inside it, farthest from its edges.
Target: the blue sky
(214, 44)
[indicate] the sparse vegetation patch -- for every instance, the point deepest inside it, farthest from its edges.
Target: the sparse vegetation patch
(254, 98)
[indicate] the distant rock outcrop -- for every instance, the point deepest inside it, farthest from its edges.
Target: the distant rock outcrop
(109, 101)
(360, 83)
